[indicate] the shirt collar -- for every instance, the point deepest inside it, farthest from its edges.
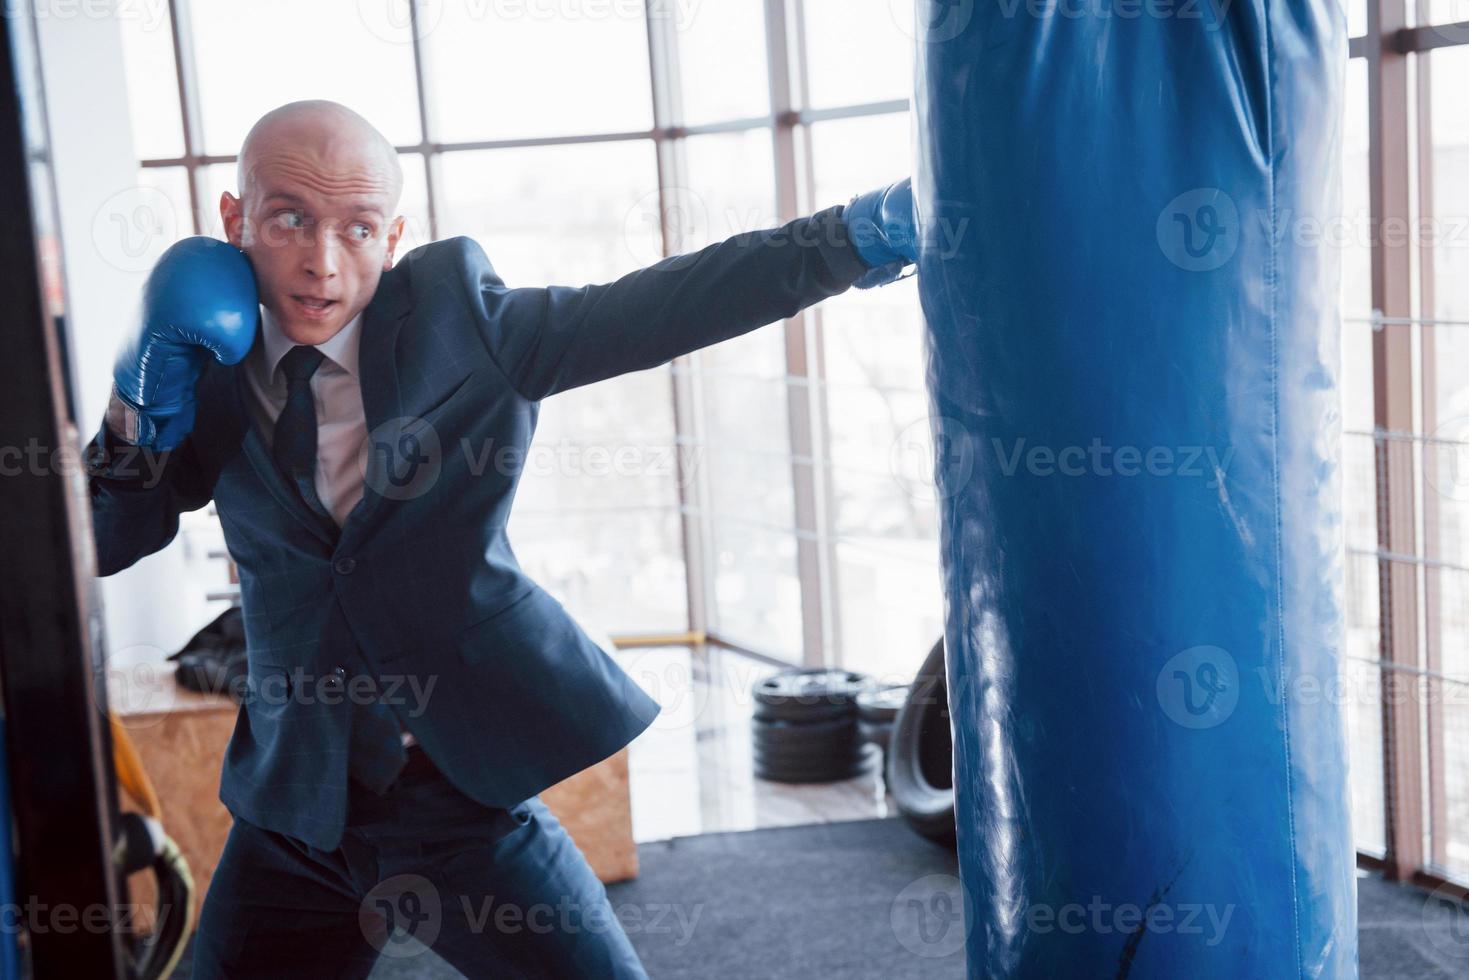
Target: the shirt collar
(341, 347)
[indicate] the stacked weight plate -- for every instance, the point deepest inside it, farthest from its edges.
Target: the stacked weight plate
(877, 709)
(805, 727)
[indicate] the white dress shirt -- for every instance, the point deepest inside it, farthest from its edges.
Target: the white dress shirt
(341, 425)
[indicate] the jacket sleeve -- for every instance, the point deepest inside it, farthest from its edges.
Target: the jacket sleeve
(549, 339)
(137, 495)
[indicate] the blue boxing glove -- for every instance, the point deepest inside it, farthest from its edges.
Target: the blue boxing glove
(883, 228)
(200, 301)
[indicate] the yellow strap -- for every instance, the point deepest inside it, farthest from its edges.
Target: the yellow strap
(130, 773)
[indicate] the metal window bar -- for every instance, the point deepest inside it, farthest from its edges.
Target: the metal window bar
(1416, 561)
(1377, 322)
(829, 538)
(806, 412)
(1457, 681)
(798, 379)
(826, 464)
(1386, 435)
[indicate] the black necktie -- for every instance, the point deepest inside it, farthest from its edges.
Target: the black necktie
(376, 755)
(294, 445)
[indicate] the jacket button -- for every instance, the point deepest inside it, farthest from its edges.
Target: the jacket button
(334, 679)
(345, 566)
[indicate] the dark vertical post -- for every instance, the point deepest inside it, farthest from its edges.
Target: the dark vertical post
(60, 781)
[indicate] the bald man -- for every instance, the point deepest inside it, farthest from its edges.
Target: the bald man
(411, 691)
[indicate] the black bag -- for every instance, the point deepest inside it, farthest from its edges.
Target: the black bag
(213, 661)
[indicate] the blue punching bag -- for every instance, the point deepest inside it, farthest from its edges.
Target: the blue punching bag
(1133, 364)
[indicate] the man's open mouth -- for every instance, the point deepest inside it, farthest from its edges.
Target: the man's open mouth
(314, 304)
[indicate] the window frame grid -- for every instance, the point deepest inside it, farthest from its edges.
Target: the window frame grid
(1395, 100)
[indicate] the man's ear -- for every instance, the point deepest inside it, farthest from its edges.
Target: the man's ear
(395, 232)
(232, 212)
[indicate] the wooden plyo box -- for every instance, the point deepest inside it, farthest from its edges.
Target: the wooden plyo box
(181, 737)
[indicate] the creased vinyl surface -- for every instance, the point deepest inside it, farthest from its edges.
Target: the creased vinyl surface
(1133, 362)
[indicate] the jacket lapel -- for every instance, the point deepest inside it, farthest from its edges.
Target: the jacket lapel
(381, 394)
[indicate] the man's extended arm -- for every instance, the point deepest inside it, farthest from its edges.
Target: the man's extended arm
(549, 339)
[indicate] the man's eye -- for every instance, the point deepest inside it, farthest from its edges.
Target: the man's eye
(361, 232)
(291, 219)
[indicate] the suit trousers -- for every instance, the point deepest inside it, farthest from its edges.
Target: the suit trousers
(495, 892)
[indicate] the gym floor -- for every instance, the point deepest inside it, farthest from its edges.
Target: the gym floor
(692, 774)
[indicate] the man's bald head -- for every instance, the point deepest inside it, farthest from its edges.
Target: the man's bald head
(319, 188)
(327, 134)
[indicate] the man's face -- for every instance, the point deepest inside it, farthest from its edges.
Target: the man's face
(319, 235)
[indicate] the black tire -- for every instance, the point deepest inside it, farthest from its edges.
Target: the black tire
(920, 757)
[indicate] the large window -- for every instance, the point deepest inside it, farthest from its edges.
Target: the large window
(766, 505)
(1406, 399)
(818, 533)
(502, 139)
(497, 71)
(780, 498)
(1444, 427)
(742, 446)
(884, 525)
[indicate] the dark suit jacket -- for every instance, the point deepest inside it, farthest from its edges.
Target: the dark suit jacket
(421, 586)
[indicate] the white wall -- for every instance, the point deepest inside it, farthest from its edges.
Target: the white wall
(109, 237)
